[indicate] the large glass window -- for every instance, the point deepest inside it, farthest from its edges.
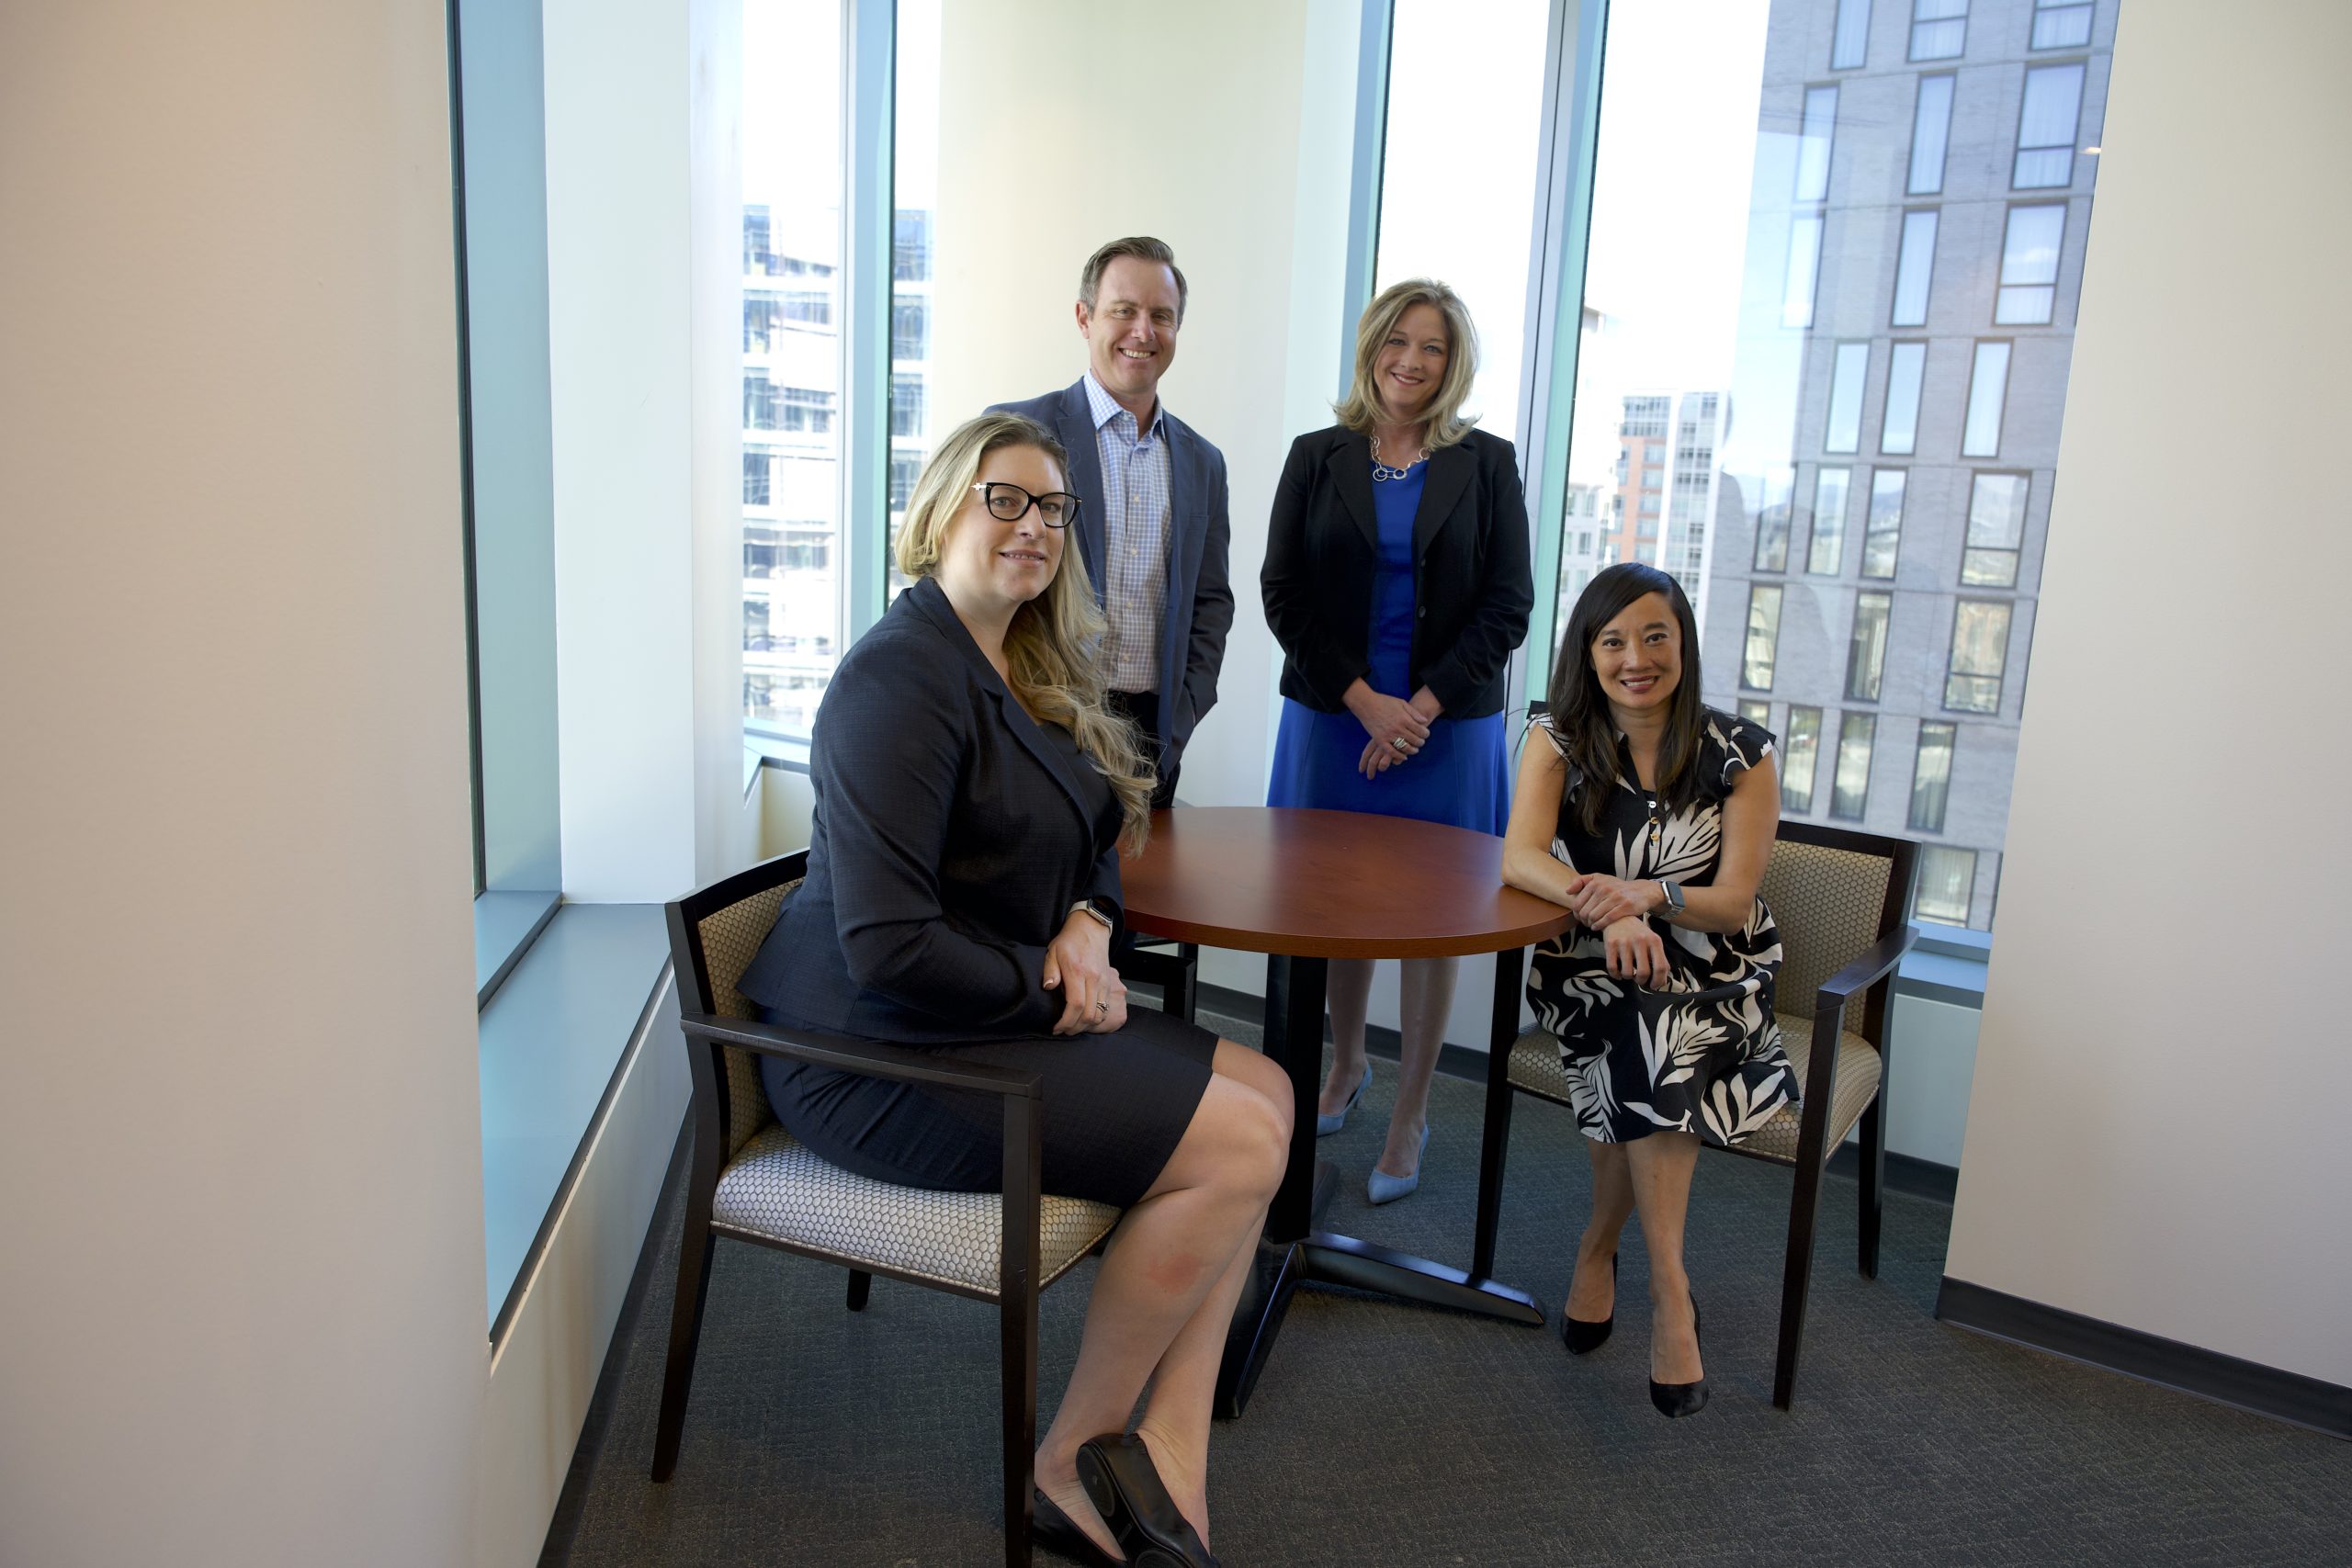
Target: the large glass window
(1930, 136)
(1988, 395)
(1831, 489)
(2061, 24)
(1800, 752)
(1851, 40)
(2029, 247)
(1914, 265)
(1931, 776)
(1866, 651)
(1980, 656)
(1814, 142)
(2046, 126)
(1756, 712)
(1763, 637)
(915, 239)
(1939, 28)
(1995, 529)
(1803, 272)
(1883, 537)
(792, 357)
(1850, 790)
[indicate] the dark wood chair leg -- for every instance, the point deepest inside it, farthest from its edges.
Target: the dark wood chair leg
(1187, 988)
(685, 1328)
(1873, 1183)
(1804, 1206)
(1017, 1319)
(1494, 1149)
(861, 1285)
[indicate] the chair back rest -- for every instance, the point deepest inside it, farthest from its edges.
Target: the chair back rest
(726, 922)
(1832, 894)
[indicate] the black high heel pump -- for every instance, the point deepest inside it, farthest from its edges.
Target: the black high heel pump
(1677, 1399)
(1581, 1337)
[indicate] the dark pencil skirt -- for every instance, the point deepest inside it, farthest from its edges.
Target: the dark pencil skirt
(1116, 1106)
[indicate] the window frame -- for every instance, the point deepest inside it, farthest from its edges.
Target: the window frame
(1871, 532)
(2046, 70)
(1915, 220)
(1948, 81)
(1940, 18)
(1916, 821)
(1832, 418)
(1772, 635)
(2005, 609)
(1999, 405)
(2003, 287)
(1912, 391)
(1970, 547)
(1801, 751)
(1858, 690)
(1843, 510)
(1839, 797)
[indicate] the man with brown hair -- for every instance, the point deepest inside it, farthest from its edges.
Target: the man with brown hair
(1152, 524)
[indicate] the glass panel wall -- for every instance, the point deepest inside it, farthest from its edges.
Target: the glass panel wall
(914, 254)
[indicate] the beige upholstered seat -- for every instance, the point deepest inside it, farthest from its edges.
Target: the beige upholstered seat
(774, 1189)
(1535, 1067)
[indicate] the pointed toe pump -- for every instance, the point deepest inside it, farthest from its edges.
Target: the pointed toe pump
(1678, 1399)
(1329, 1123)
(1383, 1188)
(1582, 1338)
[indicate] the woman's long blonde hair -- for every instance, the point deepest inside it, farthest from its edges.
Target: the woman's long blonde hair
(1054, 649)
(1360, 408)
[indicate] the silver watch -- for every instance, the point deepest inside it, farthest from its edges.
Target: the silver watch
(1673, 892)
(1092, 907)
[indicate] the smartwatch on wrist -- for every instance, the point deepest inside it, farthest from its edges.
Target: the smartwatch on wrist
(1674, 902)
(1090, 907)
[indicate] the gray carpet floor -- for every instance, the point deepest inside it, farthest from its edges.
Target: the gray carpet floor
(1385, 1434)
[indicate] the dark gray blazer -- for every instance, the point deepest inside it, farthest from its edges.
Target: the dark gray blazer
(1472, 581)
(1199, 610)
(952, 836)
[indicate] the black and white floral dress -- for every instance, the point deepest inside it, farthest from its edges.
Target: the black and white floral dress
(1701, 1054)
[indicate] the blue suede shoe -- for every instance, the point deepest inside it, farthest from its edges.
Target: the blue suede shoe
(1383, 1188)
(1327, 1126)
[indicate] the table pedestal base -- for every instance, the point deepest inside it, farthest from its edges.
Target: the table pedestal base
(1294, 1253)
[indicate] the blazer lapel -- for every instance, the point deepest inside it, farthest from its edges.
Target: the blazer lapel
(930, 600)
(1450, 471)
(1351, 468)
(1074, 425)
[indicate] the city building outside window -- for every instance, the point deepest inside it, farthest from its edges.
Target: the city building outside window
(2061, 24)
(1832, 493)
(1756, 712)
(1799, 752)
(1866, 651)
(1980, 652)
(1883, 538)
(1988, 396)
(1850, 788)
(758, 478)
(1930, 136)
(1939, 28)
(1906, 372)
(1947, 882)
(2029, 246)
(1931, 776)
(1814, 142)
(1803, 272)
(2047, 122)
(1850, 370)
(1995, 529)
(1849, 41)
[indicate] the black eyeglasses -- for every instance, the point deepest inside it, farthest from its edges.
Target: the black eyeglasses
(1007, 502)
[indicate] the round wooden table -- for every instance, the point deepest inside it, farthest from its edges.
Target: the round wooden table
(1304, 887)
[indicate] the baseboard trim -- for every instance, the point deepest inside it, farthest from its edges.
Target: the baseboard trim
(1904, 1173)
(2250, 1386)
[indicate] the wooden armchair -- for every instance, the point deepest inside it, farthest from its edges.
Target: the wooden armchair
(1838, 897)
(754, 1181)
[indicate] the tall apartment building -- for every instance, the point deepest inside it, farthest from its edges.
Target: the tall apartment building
(1664, 499)
(1921, 197)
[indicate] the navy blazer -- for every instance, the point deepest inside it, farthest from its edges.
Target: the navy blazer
(952, 837)
(1472, 581)
(1199, 607)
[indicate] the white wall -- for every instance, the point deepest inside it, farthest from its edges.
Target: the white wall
(238, 1125)
(2156, 1133)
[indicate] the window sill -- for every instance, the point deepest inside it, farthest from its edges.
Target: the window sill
(1948, 965)
(505, 924)
(766, 746)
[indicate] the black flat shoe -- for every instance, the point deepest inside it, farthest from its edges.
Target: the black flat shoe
(1677, 1399)
(1581, 1337)
(1059, 1534)
(1126, 1489)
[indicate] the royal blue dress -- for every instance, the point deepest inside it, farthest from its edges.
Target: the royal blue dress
(1458, 777)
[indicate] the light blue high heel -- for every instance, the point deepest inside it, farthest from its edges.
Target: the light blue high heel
(1383, 1188)
(1327, 1123)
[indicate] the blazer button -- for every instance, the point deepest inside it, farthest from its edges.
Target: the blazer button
(1423, 612)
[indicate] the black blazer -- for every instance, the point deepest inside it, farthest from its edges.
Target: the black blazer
(1472, 586)
(952, 836)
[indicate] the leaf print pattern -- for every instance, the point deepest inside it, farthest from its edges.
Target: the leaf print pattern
(1701, 1053)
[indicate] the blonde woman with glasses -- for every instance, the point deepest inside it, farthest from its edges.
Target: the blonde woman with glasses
(973, 796)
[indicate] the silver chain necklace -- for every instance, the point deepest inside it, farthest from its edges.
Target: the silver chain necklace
(1381, 474)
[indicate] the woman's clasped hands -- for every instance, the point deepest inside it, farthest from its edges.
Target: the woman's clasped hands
(1077, 964)
(1618, 910)
(1397, 729)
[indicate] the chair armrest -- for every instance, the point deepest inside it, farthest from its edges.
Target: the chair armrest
(867, 1058)
(1874, 963)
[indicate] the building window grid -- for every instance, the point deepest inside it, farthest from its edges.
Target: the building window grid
(2031, 239)
(1883, 532)
(2050, 115)
(1930, 136)
(1980, 652)
(1988, 396)
(1801, 751)
(1763, 637)
(1946, 882)
(1850, 36)
(1866, 649)
(1938, 29)
(2059, 24)
(1850, 370)
(1915, 268)
(1832, 493)
(1931, 775)
(1906, 372)
(1996, 535)
(1849, 782)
